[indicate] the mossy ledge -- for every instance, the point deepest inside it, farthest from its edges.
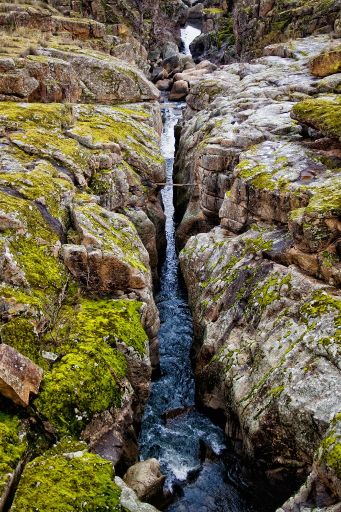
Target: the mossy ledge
(323, 114)
(68, 478)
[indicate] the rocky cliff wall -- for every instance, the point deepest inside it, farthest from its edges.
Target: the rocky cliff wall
(152, 22)
(260, 149)
(240, 29)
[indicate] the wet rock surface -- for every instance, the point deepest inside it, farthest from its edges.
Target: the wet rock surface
(146, 479)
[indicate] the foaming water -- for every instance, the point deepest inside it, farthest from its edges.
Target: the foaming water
(173, 431)
(188, 34)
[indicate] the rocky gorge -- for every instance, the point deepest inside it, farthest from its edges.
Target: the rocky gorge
(243, 414)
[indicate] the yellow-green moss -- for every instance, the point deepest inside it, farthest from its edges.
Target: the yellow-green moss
(41, 183)
(109, 320)
(68, 480)
(213, 10)
(87, 378)
(323, 303)
(42, 270)
(330, 450)
(259, 175)
(322, 114)
(12, 446)
(31, 248)
(277, 391)
(84, 382)
(21, 334)
(31, 115)
(112, 232)
(117, 125)
(269, 291)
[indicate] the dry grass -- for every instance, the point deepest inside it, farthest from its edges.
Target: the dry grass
(40, 5)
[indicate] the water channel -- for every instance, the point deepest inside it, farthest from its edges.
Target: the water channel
(173, 430)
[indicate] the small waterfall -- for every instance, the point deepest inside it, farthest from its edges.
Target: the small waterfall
(188, 34)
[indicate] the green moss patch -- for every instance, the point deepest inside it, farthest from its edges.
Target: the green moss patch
(84, 382)
(321, 114)
(69, 481)
(111, 320)
(31, 115)
(21, 334)
(330, 452)
(87, 379)
(12, 446)
(323, 303)
(40, 184)
(103, 126)
(113, 231)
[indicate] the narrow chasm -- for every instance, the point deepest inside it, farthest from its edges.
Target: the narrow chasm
(203, 472)
(170, 256)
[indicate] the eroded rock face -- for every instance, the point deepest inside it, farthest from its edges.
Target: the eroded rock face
(73, 76)
(47, 219)
(282, 177)
(258, 23)
(153, 22)
(267, 351)
(260, 147)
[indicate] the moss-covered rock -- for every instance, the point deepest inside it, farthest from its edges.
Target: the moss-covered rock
(21, 334)
(267, 344)
(327, 63)
(323, 114)
(87, 379)
(13, 445)
(83, 383)
(68, 478)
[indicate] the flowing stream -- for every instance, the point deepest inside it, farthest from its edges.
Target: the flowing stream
(172, 430)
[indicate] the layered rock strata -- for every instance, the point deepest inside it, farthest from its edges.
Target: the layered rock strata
(260, 151)
(152, 22)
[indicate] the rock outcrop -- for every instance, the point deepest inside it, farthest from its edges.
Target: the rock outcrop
(262, 22)
(81, 226)
(152, 22)
(260, 149)
(240, 29)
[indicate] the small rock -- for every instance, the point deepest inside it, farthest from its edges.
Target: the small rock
(164, 85)
(179, 90)
(19, 376)
(146, 479)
